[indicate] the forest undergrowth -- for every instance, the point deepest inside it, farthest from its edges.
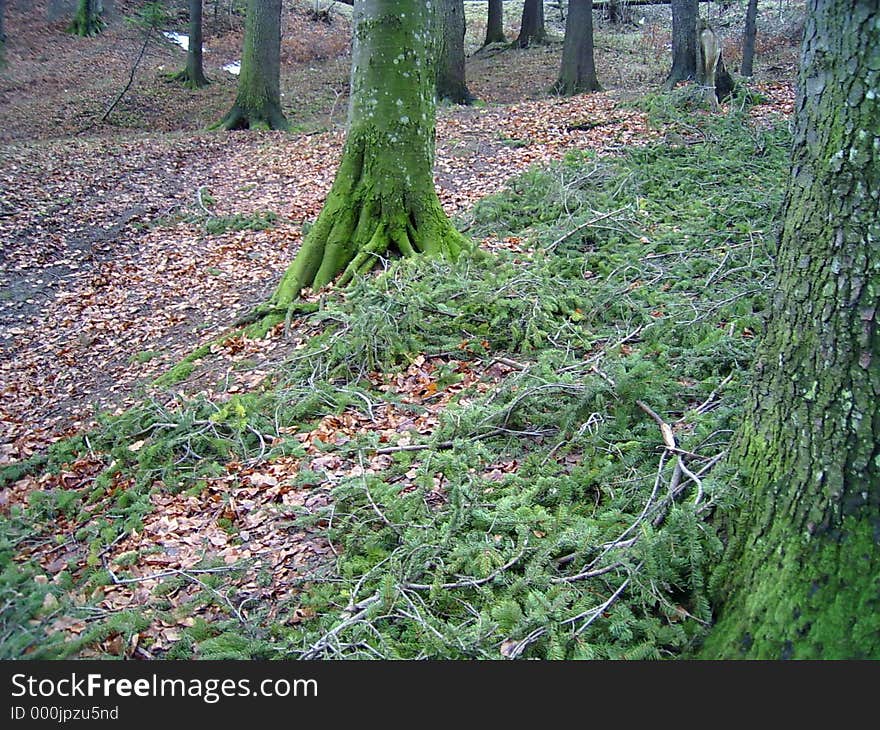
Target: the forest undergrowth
(521, 455)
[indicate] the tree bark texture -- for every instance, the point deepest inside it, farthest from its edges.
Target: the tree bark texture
(451, 83)
(749, 33)
(684, 41)
(258, 102)
(532, 26)
(801, 575)
(577, 74)
(495, 23)
(195, 72)
(383, 198)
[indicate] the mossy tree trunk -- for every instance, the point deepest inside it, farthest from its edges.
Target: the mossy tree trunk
(194, 73)
(749, 33)
(87, 21)
(801, 575)
(258, 102)
(531, 28)
(577, 74)
(383, 198)
(684, 41)
(495, 23)
(451, 83)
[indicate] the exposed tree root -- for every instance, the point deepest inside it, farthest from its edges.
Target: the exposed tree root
(86, 26)
(268, 310)
(350, 237)
(264, 119)
(189, 80)
(568, 88)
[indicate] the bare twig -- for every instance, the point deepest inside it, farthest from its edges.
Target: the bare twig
(665, 428)
(467, 582)
(577, 229)
(201, 202)
(134, 69)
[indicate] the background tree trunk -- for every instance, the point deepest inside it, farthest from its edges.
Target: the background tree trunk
(194, 75)
(195, 71)
(532, 26)
(383, 198)
(451, 82)
(258, 103)
(2, 32)
(801, 575)
(495, 23)
(87, 21)
(578, 71)
(684, 41)
(748, 52)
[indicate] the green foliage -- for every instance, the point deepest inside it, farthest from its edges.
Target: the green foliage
(665, 298)
(144, 356)
(215, 225)
(86, 22)
(642, 278)
(150, 16)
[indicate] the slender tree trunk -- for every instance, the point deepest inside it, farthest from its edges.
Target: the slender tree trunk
(451, 82)
(195, 71)
(684, 41)
(87, 21)
(532, 26)
(2, 32)
(383, 198)
(495, 23)
(578, 71)
(801, 575)
(194, 75)
(258, 103)
(749, 38)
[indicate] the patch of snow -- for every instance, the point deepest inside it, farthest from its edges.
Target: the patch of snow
(181, 39)
(234, 68)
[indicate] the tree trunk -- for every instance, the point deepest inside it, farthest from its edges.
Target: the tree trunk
(495, 23)
(532, 25)
(193, 75)
(749, 38)
(195, 72)
(87, 21)
(618, 11)
(451, 82)
(383, 198)
(578, 71)
(684, 41)
(2, 32)
(801, 575)
(258, 103)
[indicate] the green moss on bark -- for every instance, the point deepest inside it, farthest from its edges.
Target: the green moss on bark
(258, 101)
(800, 576)
(87, 22)
(383, 198)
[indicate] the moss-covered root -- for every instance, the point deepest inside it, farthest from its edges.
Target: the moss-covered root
(189, 80)
(264, 119)
(349, 238)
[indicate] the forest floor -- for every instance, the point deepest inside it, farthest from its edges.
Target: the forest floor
(129, 245)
